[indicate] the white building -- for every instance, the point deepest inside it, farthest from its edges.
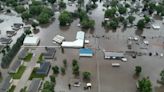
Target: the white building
(31, 41)
(78, 43)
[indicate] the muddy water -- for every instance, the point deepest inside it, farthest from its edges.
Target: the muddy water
(113, 41)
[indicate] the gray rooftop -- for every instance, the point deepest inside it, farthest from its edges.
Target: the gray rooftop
(6, 84)
(44, 68)
(35, 85)
(15, 66)
(23, 53)
(113, 54)
(50, 53)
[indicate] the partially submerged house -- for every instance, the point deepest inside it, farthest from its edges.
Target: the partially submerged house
(5, 40)
(35, 85)
(23, 53)
(50, 54)
(86, 52)
(15, 67)
(44, 68)
(6, 84)
(31, 41)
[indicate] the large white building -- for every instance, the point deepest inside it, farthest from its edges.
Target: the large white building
(31, 41)
(78, 43)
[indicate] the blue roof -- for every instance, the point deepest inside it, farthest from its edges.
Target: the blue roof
(86, 51)
(44, 68)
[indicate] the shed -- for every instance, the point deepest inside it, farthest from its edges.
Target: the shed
(31, 41)
(113, 55)
(35, 85)
(58, 39)
(44, 68)
(15, 67)
(86, 52)
(6, 84)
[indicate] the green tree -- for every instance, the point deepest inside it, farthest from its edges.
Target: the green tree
(75, 70)
(147, 19)
(86, 75)
(141, 24)
(26, 15)
(162, 76)
(20, 9)
(113, 24)
(122, 10)
(48, 87)
(138, 70)
(65, 63)
(125, 23)
(51, 1)
(145, 85)
(64, 18)
(74, 62)
(35, 9)
(43, 18)
(55, 69)
(8, 48)
(3, 52)
(53, 79)
(62, 69)
(110, 12)
(131, 19)
(87, 23)
(62, 5)
(34, 25)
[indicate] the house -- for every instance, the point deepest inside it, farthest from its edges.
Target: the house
(78, 43)
(50, 53)
(113, 55)
(23, 53)
(15, 67)
(5, 40)
(44, 68)
(10, 33)
(31, 41)
(35, 85)
(6, 84)
(86, 52)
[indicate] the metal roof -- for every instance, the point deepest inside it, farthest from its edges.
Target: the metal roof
(50, 53)
(113, 54)
(44, 68)
(15, 66)
(35, 84)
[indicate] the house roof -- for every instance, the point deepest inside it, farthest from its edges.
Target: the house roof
(22, 54)
(6, 84)
(5, 40)
(86, 52)
(50, 53)
(44, 68)
(15, 66)
(35, 84)
(80, 35)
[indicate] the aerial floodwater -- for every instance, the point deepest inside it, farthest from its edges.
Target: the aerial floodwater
(126, 47)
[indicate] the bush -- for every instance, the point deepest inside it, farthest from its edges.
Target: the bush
(53, 78)
(65, 62)
(55, 69)
(65, 18)
(87, 23)
(62, 70)
(86, 75)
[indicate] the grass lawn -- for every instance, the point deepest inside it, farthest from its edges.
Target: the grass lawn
(40, 58)
(19, 73)
(34, 75)
(28, 57)
(12, 88)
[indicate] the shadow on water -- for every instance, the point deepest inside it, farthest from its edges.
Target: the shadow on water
(138, 32)
(157, 17)
(159, 89)
(36, 31)
(64, 28)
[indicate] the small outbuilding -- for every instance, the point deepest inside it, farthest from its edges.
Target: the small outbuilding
(31, 41)
(86, 52)
(23, 53)
(58, 38)
(35, 85)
